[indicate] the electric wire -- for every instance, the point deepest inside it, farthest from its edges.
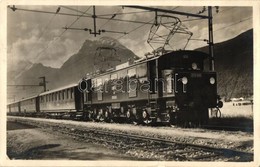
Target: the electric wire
(76, 10)
(112, 17)
(124, 13)
(68, 14)
(135, 29)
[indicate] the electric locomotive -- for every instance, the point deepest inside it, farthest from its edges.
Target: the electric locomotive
(171, 88)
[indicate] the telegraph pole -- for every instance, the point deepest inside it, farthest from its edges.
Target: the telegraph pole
(43, 83)
(211, 44)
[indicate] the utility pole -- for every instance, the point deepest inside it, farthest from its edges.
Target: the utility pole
(211, 44)
(43, 83)
(95, 26)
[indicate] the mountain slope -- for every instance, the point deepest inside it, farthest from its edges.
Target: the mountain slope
(234, 65)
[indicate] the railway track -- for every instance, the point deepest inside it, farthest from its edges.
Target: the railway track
(143, 147)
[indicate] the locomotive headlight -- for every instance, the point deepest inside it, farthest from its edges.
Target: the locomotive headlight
(212, 80)
(194, 66)
(184, 80)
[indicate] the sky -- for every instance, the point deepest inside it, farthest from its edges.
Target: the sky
(40, 38)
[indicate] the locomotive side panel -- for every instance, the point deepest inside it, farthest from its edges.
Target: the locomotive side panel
(121, 86)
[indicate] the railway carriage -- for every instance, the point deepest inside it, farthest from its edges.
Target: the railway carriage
(62, 102)
(14, 108)
(25, 107)
(29, 106)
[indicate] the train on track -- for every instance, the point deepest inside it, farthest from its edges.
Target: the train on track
(171, 88)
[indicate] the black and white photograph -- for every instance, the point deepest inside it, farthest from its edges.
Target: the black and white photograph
(130, 84)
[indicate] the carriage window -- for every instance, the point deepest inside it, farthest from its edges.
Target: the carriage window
(59, 95)
(68, 94)
(131, 73)
(62, 94)
(72, 92)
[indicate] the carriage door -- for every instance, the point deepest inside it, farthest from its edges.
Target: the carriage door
(87, 92)
(168, 82)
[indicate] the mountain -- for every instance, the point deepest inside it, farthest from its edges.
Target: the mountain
(13, 72)
(234, 65)
(92, 55)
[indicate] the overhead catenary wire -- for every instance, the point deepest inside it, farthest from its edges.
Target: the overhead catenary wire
(69, 14)
(136, 29)
(76, 10)
(112, 17)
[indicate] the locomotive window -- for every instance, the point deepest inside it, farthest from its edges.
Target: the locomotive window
(99, 82)
(105, 78)
(94, 82)
(131, 72)
(121, 74)
(169, 85)
(142, 70)
(113, 76)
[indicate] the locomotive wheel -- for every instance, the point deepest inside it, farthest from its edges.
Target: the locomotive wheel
(100, 116)
(145, 117)
(91, 115)
(129, 117)
(107, 116)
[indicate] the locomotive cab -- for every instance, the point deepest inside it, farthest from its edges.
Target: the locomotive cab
(188, 91)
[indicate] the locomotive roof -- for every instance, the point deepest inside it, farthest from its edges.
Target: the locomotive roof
(58, 89)
(174, 54)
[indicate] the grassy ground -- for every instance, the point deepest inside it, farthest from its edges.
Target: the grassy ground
(231, 109)
(235, 115)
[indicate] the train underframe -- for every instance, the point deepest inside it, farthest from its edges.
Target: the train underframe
(162, 111)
